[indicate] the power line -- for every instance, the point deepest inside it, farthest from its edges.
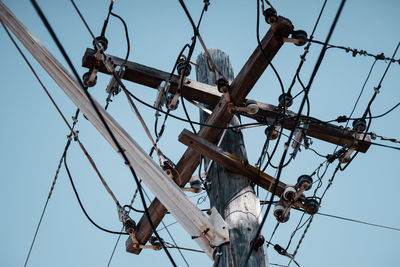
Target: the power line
(80, 202)
(262, 51)
(345, 118)
(360, 52)
(48, 198)
(376, 89)
(359, 221)
(185, 120)
(306, 50)
(316, 67)
(59, 45)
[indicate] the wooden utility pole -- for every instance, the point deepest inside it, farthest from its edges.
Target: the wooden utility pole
(211, 231)
(228, 186)
(207, 136)
(231, 193)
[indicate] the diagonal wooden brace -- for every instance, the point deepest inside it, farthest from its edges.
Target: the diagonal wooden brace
(241, 86)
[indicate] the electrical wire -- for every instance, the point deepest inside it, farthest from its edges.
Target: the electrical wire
(361, 140)
(317, 65)
(81, 205)
(355, 52)
(110, 7)
(330, 182)
(306, 50)
(376, 89)
(269, 61)
(359, 221)
(121, 151)
(198, 36)
(119, 236)
(344, 118)
(362, 89)
(190, 53)
(47, 200)
(108, 100)
(387, 112)
(185, 120)
(354, 220)
(128, 45)
(158, 110)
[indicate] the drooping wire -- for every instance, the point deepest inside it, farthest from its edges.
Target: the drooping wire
(368, 109)
(128, 45)
(315, 70)
(198, 36)
(157, 133)
(376, 89)
(354, 107)
(343, 118)
(262, 50)
(127, 161)
(80, 202)
(190, 53)
(306, 50)
(194, 122)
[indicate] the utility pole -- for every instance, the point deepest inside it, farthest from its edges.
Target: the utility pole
(230, 190)
(231, 193)
(204, 142)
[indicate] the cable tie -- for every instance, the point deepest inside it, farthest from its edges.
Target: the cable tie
(376, 89)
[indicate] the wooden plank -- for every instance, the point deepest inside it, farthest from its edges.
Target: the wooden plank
(209, 95)
(231, 193)
(152, 78)
(230, 161)
(241, 86)
(178, 204)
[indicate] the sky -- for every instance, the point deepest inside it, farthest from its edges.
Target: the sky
(33, 135)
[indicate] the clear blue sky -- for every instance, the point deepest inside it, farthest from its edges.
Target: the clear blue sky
(33, 135)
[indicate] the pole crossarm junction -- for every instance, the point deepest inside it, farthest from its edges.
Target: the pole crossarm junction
(240, 87)
(209, 95)
(230, 161)
(234, 163)
(209, 232)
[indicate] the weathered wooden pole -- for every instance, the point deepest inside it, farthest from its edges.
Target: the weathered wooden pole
(231, 193)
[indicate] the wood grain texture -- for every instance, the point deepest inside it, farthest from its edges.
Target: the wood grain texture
(229, 190)
(209, 95)
(220, 116)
